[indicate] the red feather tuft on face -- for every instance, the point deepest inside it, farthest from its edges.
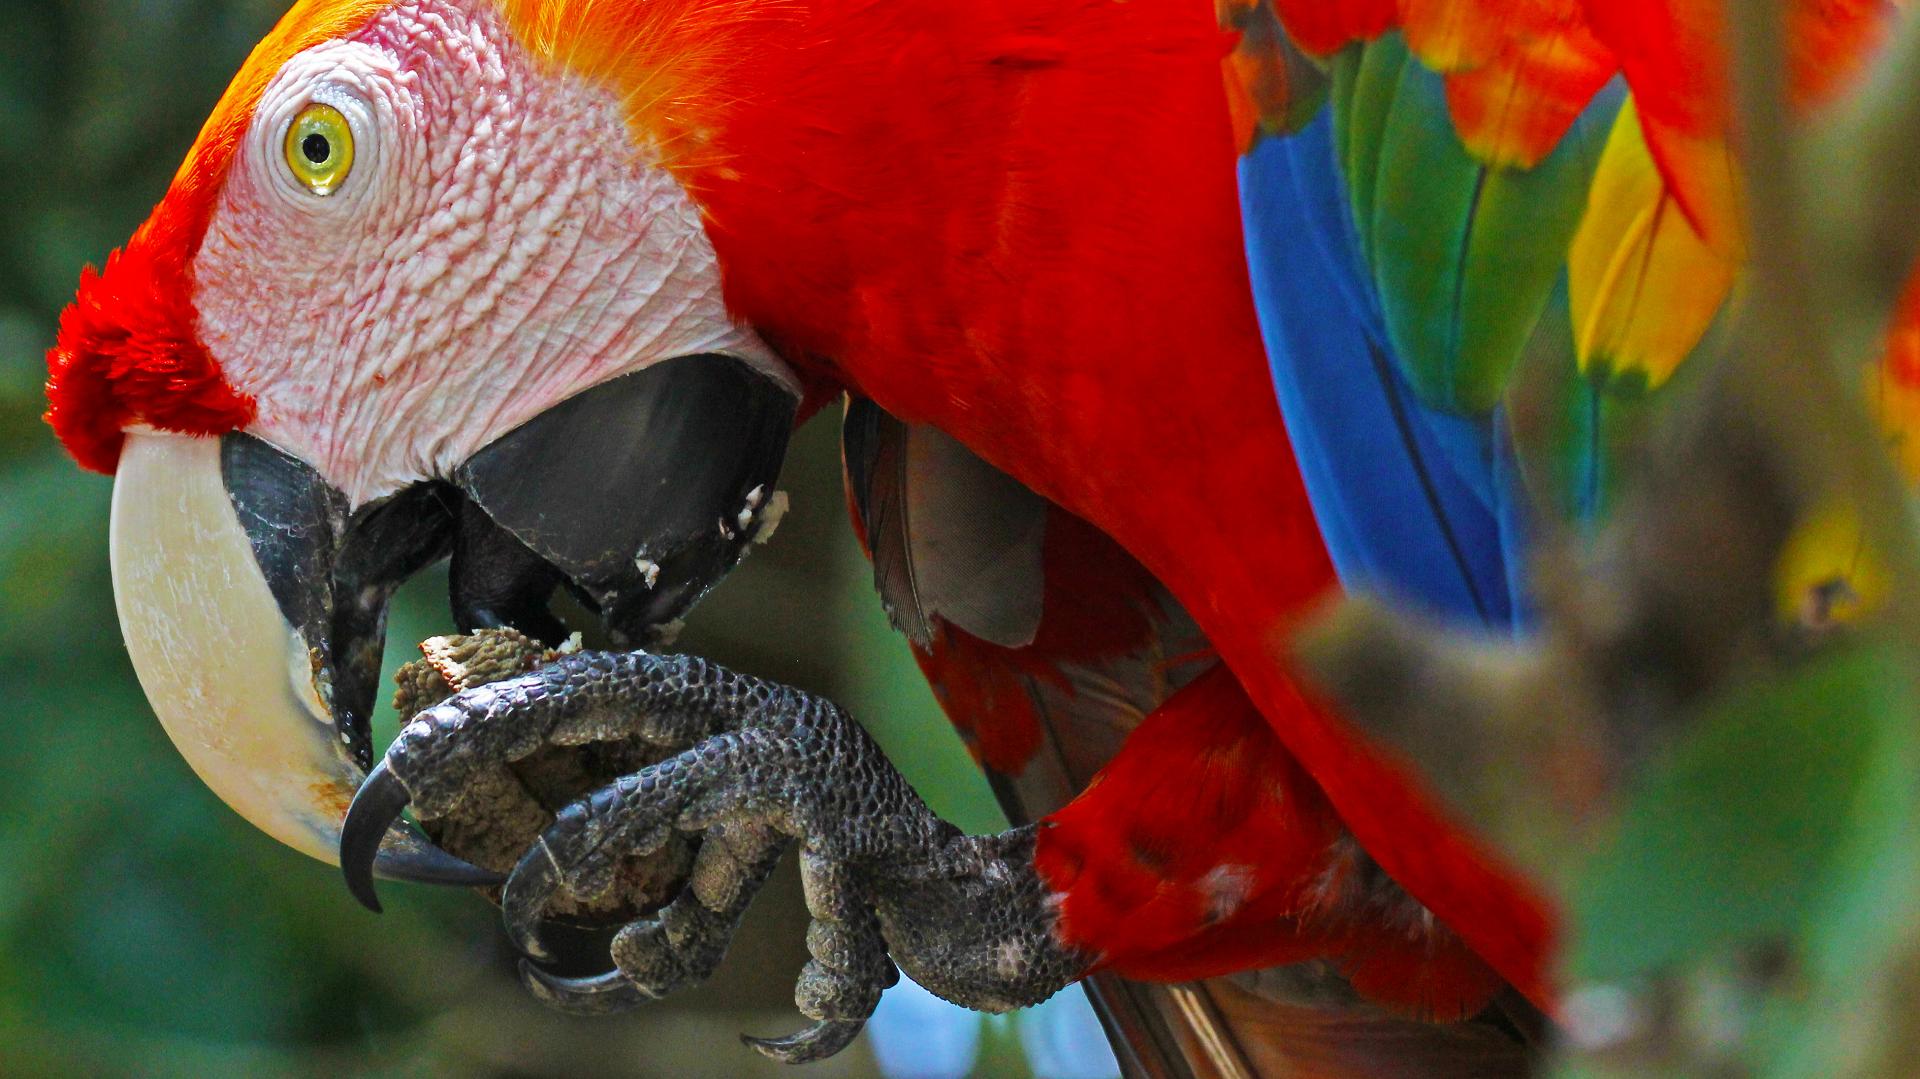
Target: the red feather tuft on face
(129, 349)
(128, 353)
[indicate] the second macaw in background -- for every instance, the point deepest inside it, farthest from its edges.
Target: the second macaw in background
(543, 285)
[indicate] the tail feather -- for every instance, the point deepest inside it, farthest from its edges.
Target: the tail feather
(1238, 1028)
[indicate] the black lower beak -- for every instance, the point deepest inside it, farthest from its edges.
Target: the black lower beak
(333, 570)
(637, 495)
(640, 494)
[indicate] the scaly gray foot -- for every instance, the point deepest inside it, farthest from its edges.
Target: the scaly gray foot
(758, 767)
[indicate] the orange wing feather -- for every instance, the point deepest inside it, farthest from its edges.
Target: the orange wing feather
(1515, 92)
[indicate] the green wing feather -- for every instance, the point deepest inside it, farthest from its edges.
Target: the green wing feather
(1464, 254)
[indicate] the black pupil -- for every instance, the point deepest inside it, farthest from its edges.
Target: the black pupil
(316, 148)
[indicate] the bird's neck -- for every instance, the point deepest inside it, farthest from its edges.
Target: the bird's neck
(1014, 219)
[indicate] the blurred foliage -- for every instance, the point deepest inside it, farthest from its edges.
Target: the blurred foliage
(1709, 853)
(146, 929)
(1753, 910)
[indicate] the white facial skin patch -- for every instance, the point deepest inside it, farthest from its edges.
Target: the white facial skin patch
(500, 244)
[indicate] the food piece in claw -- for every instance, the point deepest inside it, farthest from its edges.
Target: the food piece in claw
(506, 809)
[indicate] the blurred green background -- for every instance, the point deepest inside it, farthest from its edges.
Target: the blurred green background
(144, 928)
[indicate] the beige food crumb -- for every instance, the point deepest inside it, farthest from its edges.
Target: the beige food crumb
(508, 808)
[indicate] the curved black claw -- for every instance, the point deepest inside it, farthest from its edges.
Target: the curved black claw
(818, 1042)
(531, 884)
(601, 994)
(376, 806)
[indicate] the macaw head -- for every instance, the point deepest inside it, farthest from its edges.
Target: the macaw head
(418, 291)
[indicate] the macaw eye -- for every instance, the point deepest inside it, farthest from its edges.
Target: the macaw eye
(320, 148)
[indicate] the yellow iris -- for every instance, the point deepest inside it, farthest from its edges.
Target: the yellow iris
(320, 148)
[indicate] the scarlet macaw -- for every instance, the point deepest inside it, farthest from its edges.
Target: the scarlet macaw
(542, 285)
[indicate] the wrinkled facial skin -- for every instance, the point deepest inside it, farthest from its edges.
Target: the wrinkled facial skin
(499, 245)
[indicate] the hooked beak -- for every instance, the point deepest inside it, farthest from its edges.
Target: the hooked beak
(253, 598)
(232, 680)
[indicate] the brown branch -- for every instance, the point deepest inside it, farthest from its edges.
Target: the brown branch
(1859, 185)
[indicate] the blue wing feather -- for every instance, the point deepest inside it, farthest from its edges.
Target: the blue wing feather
(1412, 502)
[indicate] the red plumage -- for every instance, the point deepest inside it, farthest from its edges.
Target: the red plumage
(1138, 878)
(1038, 251)
(128, 352)
(1015, 220)
(1321, 26)
(985, 687)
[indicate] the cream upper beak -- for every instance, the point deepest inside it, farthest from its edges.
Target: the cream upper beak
(225, 672)
(229, 677)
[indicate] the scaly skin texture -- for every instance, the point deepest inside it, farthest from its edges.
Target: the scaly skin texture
(1053, 274)
(758, 767)
(1014, 220)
